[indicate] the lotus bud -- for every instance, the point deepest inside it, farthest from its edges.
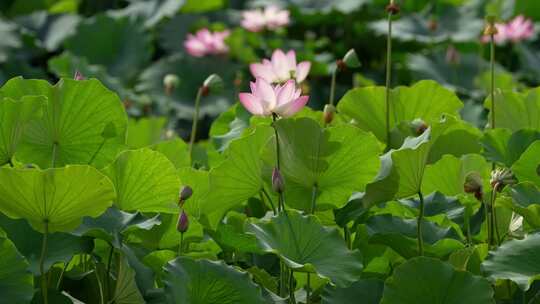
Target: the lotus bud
(452, 55)
(185, 193)
(213, 83)
(183, 222)
(501, 177)
(78, 76)
(277, 181)
(328, 113)
(392, 8)
(170, 83)
(351, 59)
(433, 24)
(418, 126)
(473, 184)
(490, 28)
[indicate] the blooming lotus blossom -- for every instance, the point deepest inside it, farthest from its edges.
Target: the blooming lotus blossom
(266, 99)
(281, 68)
(516, 30)
(205, 43)
(270, 18)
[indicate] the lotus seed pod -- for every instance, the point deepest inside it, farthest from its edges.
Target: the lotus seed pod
(213, 83)
(392, 8)
(501, 177)
(490, 28)
(418, 126)
(277, 181)
(473, 184)
(183, 222)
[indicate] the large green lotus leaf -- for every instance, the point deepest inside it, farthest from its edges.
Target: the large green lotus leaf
(112, 223)
(337, 161)
(14, 116)
(426, 100)
(515, 111)
(438, 204)
(527, 167)
(524, 200)
(231, 234)
(505, 147)
(145, 131)
(176, 150)
(369, 291)
(307, 246)
(120, 44)
(454, 130)
(191, 281)
(426, 280)
(145, 181)
(70, 131)
(207, 211)
(61, 196)
(239, 177)
(151, 12)
(515, 260)
(401, 235)
(458, 25)
(228, 126)
(62, 247)
(449, 173)
(49, 30)
(16, 282)
(126, 290)
(401, 171)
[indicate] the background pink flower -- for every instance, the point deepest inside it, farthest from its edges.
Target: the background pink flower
(272, 18)
(205, 43)
(515, 30)
(266, 99)
(280, 68)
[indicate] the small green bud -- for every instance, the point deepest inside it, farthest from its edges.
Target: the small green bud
(213, 83)
(351, 59)
(170, 82)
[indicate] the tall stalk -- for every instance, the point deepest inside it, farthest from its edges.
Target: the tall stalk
(392, 9)
(44, 291)
(333, 87)
(419, 225)
(195, 121)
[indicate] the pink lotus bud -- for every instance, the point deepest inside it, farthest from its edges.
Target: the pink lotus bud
(205, 43)
(277, 181)
(78, 76)
(185, 193)
(183, 222)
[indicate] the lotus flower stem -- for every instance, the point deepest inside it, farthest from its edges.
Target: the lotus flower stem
(492, 76)
(195, 120)
(42, 261)
(291, 287)
(333, 87)
(314, 198)
(269, 200)
(419, 225)
(181, 246)
(54, 150)
(494, 238)
(388, 72)
(308, 287)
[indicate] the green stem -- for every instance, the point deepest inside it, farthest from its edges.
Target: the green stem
(388, 76)
(44, 290)
(100, 285)
(97, 151)
(314, 198)
(282, 279)
(181, 246)
(347, 234)
(61, 277)
(495, 236)
(308, 287)
(269, 200)
(109, 263)
(291, 287)
(419, 225)
(333, 87)
(195, 121)
(54, 151)
(492, 69)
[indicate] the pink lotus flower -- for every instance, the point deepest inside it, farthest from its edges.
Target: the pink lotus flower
(266, 99)
(205, 43)
(270, 18)
(516, 30)
(281, 68)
